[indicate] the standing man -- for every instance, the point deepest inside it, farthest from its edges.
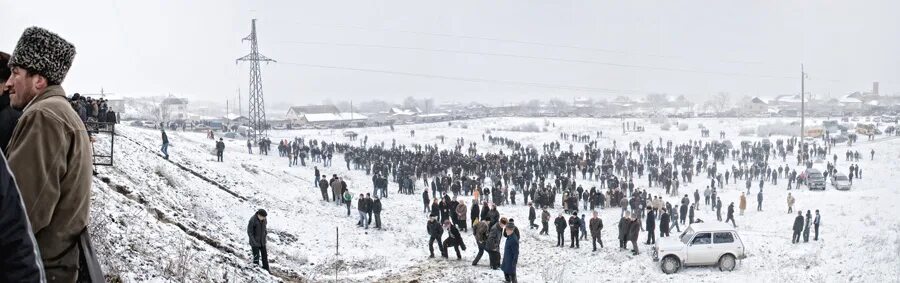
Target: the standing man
(220, 148)
(256, 230)
(545, 222)
(323, 187)
(49, 151)
(560, 223)
(651, 227)
(816, 221)
(743, 203)
(790, 203)
(510, 255)
(806, 226)
(634, 229)
(531, 216)
(250, 151)
(759, 199)
(435, 231)
(165, 143)
(376, 208)
(493, 243)
(798, 227)
(574, 225)
(596, 229)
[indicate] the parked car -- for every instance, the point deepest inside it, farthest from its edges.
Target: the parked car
(814, 179)
(150, 124)
(840, 181)
(701, 244)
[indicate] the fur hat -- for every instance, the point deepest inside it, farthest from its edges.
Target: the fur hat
(43, 52)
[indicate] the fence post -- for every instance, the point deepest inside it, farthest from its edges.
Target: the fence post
(337, 239)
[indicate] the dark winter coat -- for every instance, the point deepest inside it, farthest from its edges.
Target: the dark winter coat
(730, 211)
(651, 221)
(798, 223)
(323, 184)
(8, 119)
(455, 239)
(475, 211)
(634, 229)
(574, 224)
(435, 209)
(531, 214)
(20, 261)
(510, 255)
(220, 146)
(376, 206)
(256, 230)
(623, 229)
(435, 229)
(664, 220)
(494, 236)
(493, 216)
(425, 197)
(596, 225)
(560, 223)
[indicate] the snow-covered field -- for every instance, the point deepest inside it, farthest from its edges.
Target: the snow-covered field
(186, 217)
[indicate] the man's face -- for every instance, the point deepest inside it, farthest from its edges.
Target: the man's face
(23, 87)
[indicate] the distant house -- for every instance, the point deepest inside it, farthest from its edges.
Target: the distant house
(297, 112)
(232, 118)
(851, 103)
(403, 115)
(173, 108)
(324, 116)
(756, 106)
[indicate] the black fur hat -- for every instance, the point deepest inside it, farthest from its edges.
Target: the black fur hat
(43, 52)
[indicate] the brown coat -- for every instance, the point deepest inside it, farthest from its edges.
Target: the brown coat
(50, 156)
(743, 202)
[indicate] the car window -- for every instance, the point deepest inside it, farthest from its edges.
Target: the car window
(723, 238)
(702, 239)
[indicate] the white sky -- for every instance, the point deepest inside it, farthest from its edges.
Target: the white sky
(696, 48)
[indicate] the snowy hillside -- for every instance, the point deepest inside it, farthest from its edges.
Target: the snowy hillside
(185, 218)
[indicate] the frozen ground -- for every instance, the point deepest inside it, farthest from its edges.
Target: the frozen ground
(186, 218)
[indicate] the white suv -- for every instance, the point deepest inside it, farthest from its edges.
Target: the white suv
(700, 244)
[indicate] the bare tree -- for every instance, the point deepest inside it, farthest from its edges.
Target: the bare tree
(722, 102)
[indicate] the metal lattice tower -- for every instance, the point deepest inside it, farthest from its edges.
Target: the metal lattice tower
(257, 104)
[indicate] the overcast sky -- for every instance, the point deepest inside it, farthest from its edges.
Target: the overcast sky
(489, 51)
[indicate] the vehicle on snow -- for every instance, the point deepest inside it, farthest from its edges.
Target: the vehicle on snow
(701, 244)
(840, 181)
(814, 179)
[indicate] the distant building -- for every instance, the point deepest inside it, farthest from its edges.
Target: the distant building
(173, 109)
(297, 112)
(324, 116)
(756, 106)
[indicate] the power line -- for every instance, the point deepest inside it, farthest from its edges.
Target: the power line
(476, 80)
(668, 69)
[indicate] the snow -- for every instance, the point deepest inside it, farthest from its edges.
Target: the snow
(152, 210)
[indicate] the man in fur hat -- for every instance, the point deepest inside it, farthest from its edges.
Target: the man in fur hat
(49, 152)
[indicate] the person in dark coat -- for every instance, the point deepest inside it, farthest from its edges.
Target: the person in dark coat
(425, 200)
(818, 220)
(531, 216)
(798, 227)
(807, 226)
(454, 240)
(730, 215)
(560, 223)
(19, 259)
(664, 220)
(634, 229)
(574, 227)
(435, 231)
(493, 243)
(651, 227)
(323, 186)
(474, 212)
(481, 235)
(684, 213)
(220, 148)
(435, 208)
(165, 144)
(545, 222)
(256, 230)
(623, 229)
(376, 209)
(596, 226)
(510, 256)
(691, 213)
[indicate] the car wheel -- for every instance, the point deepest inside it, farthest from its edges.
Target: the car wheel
(670, 265)
(726, 263)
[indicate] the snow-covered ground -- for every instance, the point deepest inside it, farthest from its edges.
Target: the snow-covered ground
(186, 217)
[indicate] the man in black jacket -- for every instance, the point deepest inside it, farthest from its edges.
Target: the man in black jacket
(323, 186)
(560, 223)
(634, 229)
(531, 216)
(256, 230)
(596, 226)
(798, 227)
(376, 208)
(493, 242)
(651, 227)
(454, 240)
(574, 226)
(434, 232)
(220, 148)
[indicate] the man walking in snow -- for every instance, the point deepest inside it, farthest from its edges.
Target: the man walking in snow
(730, 215)
(435, 231)
(596, 229)
(256, 230)
(481, 236)
(323, 186)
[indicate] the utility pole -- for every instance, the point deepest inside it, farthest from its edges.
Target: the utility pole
(240, 110)
(802, 102)
(257, 104)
